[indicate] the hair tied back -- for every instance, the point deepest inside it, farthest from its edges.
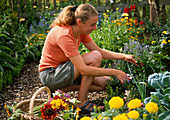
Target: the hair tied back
(74, 8)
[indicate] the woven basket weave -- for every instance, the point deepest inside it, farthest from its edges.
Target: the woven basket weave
(27, 105)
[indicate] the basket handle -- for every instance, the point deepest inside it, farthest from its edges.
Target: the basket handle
(33, 98)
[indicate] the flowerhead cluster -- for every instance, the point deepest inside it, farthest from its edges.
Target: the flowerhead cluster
(60, 101)
(116, 102)
(133, 104)
(133, 114)
(151, 107)
(127, 10)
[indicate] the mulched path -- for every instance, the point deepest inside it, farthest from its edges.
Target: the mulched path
(27, 84)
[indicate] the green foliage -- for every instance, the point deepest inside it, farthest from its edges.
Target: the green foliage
(161, 83)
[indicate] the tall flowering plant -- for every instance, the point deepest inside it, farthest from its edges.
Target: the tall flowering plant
(59, 105)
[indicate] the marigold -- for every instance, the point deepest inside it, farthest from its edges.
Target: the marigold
(135, 103)
(151, 107)
(116, 102)
(120, 117)
(133, 114)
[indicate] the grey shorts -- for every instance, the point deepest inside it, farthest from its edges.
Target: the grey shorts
(60, 77)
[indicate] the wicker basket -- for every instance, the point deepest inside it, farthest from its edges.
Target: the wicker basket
(27, 105)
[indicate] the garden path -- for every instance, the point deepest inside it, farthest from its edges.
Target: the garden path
(25, 86)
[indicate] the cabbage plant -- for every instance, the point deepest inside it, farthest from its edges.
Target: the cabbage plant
(161, 83)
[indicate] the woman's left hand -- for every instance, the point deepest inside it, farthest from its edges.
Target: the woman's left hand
(131, 59)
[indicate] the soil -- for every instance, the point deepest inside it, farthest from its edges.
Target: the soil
(27, 84)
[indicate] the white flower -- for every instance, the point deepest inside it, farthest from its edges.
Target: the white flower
(74, 101)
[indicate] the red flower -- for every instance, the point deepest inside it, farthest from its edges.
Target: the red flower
(126, 10)
(48, 112)
(132, 7)
(141, 22)
(57, 97)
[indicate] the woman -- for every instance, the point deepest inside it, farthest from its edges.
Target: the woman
(62, 66)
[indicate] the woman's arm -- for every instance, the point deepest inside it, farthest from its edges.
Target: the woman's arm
(95, 71)
(106, 54)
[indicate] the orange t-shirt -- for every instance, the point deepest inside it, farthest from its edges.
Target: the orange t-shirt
(59, 45)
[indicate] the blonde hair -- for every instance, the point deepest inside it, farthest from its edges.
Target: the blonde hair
(70, 14)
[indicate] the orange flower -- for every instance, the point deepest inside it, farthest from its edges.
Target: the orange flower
(48, 112)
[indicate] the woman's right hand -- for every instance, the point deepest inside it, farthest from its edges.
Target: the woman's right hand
(122, 76)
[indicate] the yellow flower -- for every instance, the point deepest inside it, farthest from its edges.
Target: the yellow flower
(153, 42)
(117, 8)
(137, 31)
(144, 116)
(125, 14)
(56, 103)
(104, 13)
(85, 118)
(151, 107)
(136, 35)
(122, 19)
(130, 19)
(116, 102)
(133, 114)
(34, 6)
(168, 40)
(143, 28)
(120, 117)
(31, 43)
(126, 18)
(164, 41)
(164, 32)
(22, 19)
(107, 10)
(135, 103)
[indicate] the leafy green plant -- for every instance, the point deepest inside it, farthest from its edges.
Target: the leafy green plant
(6, 61)
(161, 83)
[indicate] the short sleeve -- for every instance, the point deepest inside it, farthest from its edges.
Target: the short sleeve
(68, 46)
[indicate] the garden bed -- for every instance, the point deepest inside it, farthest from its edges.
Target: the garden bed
(25, 86)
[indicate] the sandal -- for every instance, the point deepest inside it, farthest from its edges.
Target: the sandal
(88, 110)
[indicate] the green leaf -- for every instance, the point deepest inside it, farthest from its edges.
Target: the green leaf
(155, 80)
(7, 65)
(1, 69)
(147, 100)
(164, 115)
(4, 47)
(158, 94)
(166, 79)
(7, 57)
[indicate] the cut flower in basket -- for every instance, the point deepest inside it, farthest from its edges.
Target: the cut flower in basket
(57, 105)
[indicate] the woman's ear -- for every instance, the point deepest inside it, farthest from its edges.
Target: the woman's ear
(79, 22)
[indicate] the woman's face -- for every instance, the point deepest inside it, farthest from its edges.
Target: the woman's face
(89, 25)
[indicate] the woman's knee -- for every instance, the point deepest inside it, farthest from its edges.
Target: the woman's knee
(96, 58)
